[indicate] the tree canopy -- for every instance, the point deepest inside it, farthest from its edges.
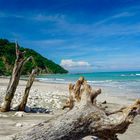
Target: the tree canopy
(8, 56)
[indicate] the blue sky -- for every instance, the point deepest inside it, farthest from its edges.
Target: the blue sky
(80, 35)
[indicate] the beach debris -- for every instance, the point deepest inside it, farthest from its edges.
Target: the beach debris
(40, 110)
(19, 114)
(27, 109)
(14, 80)
(104, 102)
(23, 102)
(84, 118)
(14, 107)
(19, 125)
(76, 91)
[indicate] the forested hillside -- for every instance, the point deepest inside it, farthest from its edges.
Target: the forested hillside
(8, 56)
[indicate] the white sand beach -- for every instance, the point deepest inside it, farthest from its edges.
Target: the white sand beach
(51, 98)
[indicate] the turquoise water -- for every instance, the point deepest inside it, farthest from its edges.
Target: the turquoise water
(126, 82)
(93, 77)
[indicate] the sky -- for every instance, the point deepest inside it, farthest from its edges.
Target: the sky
(80, 35)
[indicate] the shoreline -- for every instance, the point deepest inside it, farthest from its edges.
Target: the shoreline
(109, 94)
(52, 96)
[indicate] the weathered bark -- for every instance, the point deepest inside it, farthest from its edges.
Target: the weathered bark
(76, 91)
(14, 80)
(77, 88)
(83, 119)
(69, 103)
(27, 90)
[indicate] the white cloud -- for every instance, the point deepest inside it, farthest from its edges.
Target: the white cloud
(76, 66)
(71, 63)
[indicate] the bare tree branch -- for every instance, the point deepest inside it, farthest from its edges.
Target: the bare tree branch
(27, 90)
(14, 80)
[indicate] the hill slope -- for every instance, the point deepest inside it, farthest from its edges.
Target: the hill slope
(8, 56)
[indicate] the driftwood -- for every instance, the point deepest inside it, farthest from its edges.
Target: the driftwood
(14, 80)
(76, 91)
(84, 118)
(23, 102)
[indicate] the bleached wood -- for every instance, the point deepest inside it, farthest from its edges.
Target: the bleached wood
(14, 80)
(84, 119)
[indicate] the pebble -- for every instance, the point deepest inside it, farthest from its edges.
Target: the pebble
(19, 125)
(40, 110)
(46, 101)
(19, 114)
(14, 107)
(58, 106)
(27, 109)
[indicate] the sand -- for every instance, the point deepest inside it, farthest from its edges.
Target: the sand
(56, 94)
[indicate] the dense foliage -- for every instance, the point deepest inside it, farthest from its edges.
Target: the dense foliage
(8, 56)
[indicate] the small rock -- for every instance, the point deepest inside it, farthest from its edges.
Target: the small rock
(106, 107)
(19, 114)
(48, 111)
(105, 102)
(33, 124)
(36, 97)
(19, 125)
(58, 105)
(34, 104)
(27, 109)
(15, 107)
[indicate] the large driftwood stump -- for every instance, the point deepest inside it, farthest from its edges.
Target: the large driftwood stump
(27, 90)
(19, 63)
(85, 118)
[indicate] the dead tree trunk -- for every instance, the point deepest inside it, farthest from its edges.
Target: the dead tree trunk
(85, 118)
(14, 80)
(27, 90)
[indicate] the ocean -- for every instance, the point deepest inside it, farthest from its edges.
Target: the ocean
(120, 83)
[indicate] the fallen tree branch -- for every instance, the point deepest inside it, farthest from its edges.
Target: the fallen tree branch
(14, 80)
(85, 118)
(23, 102)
